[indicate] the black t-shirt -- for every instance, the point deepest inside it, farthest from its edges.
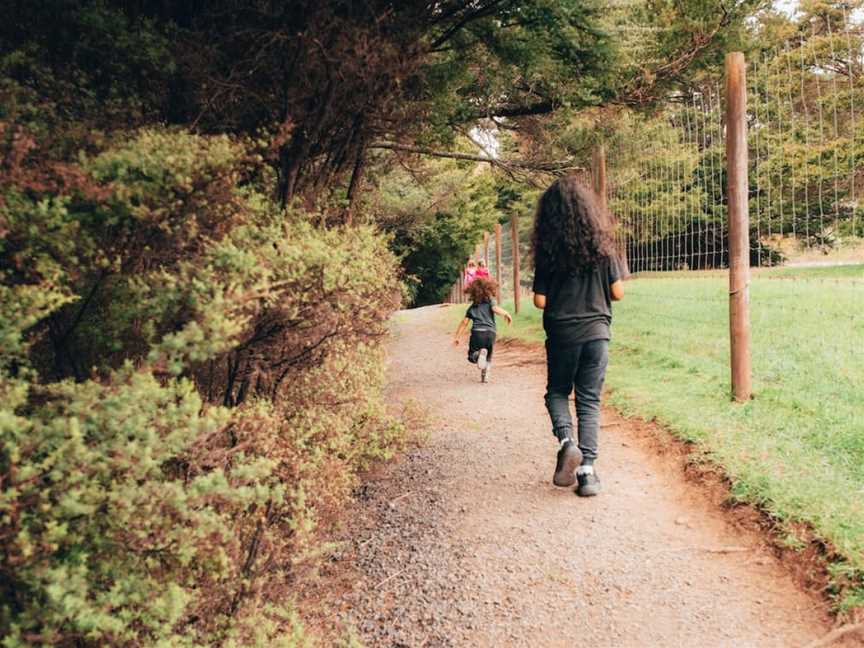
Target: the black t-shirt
(481, 316)
(578, 304)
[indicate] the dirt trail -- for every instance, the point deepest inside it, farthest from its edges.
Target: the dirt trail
(465, 542)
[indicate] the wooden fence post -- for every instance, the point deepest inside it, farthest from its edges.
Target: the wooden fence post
(514, 235)
(599, 173)
(599, 179)
(739, 226)
(498, 277)
(486, 248)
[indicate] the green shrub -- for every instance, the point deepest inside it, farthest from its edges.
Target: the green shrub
(107, 534)
(190, 380)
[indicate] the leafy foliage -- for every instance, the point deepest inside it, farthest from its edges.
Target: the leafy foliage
(805, 150)
(324, 80)
(436, 223)
(190, 381)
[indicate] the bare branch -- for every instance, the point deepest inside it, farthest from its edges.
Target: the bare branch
(481, 12)
(837, 634)
(543, 107)
(544, 166)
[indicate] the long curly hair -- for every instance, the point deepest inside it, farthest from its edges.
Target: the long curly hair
(572, 232)
(482, 289)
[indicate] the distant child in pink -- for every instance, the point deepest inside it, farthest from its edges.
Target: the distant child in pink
(470, 272)
(482, 270)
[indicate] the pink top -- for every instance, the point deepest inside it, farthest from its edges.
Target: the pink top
(470, 275)
(481, 272)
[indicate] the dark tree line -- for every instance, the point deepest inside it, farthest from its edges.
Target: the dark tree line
(321, 81)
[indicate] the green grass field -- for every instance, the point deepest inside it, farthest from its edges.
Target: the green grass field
(848, 272)
(797, 449)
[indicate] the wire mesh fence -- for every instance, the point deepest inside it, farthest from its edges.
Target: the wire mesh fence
(669, 196)
(806, 138)
(526, 268)
(805, 148)
(669, 189)
(503, 272)
(806, 169)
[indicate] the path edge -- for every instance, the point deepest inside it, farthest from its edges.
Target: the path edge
(810, 566)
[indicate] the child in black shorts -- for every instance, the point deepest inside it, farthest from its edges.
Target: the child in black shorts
(481, 315)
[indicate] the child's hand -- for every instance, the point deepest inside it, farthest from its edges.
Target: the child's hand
(455, 341)
(509, 319)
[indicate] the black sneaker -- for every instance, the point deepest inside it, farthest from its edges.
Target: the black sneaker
(569, 458)
(483, 374)
(589, 484)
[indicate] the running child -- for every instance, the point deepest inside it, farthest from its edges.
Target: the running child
(577, 276)
(481, 315)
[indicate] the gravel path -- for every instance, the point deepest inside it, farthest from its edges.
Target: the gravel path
(465, 542)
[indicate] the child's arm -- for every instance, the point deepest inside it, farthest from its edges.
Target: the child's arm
(503, 313)
(462, 325)
(539, 301)
(618, 270)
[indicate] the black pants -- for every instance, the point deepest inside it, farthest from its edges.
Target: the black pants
(581, 368)
(480, 340)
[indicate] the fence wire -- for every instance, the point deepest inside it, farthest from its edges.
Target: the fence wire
(806, 148)
(505, 276)
(526, 267)
(668, 189)
(806, 168)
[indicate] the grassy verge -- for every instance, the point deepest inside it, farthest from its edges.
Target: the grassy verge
(797, 449)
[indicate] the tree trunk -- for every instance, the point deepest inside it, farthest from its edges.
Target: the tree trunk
(356, 178)
(291, 159)
(294, 156)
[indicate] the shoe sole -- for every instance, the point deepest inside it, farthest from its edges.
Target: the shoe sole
(481, 360)
(567, 475)
(589, 491)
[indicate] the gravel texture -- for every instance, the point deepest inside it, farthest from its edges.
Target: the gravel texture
(465, 542)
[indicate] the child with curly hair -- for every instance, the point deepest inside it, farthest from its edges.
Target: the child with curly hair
(577, 276)
(481, 315)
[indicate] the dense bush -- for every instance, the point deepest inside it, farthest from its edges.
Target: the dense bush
(189, 382)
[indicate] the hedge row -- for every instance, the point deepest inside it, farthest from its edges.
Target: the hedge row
(190, 380)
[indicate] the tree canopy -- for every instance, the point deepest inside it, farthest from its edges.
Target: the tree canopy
(321, 81)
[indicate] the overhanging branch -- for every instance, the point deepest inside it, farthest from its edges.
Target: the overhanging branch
(543, 107)
(482, 11)
(646, 90)
(543, 166)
